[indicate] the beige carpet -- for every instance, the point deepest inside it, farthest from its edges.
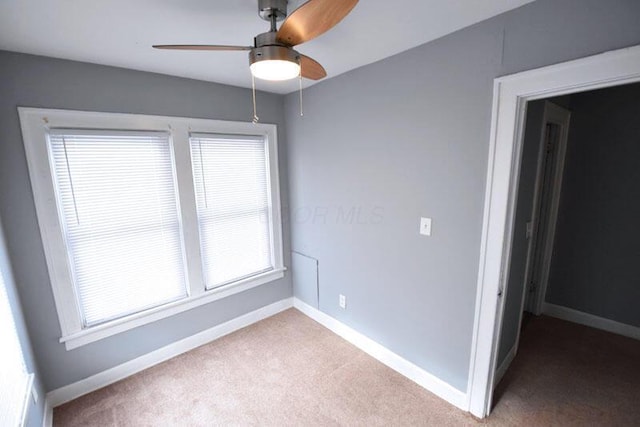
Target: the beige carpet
(570, 375)
(288, 370)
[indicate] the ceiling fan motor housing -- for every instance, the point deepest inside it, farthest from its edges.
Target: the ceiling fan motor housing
(269, 53)
(269, 38)
(267, 9)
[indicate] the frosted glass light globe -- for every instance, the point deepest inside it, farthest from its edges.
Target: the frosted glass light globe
(275, 69)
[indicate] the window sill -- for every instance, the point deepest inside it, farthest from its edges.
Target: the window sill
(98, 332)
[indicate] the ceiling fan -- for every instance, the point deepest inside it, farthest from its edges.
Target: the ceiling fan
(272, 56)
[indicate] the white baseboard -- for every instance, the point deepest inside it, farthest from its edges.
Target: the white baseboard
(73, 391)
(47, 419)
(430, 382)
(421, 377)
(587, 319)
(502, 369)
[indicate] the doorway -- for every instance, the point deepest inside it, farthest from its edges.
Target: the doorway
(511, 95)
(580, 352)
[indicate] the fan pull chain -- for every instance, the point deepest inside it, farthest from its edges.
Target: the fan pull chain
(300, 83)
(255, 110)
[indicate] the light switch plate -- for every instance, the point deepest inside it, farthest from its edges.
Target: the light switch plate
(425, 226)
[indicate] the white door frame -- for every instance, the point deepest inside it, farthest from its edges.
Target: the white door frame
(559, 116)
(510, 97)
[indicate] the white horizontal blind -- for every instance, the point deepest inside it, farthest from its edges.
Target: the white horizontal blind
(117, 196)
(13, 373)
(232, 197)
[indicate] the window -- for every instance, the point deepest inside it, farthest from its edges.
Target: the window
(232, 197)
(117, 197)
(15, 382)
(143, 217)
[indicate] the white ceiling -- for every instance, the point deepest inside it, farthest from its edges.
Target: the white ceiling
(121, 32)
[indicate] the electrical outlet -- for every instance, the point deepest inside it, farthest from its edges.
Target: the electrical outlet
(343, 301)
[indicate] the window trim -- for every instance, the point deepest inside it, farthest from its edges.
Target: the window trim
(36, 122)
(6, 278)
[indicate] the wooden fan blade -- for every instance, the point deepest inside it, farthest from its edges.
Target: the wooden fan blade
(312, 19)
(311, 69)
(200, 47)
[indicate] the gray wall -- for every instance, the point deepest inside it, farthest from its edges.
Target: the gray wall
(408, 137)
(378, 147)
(44, 82)
(520, 243)
(35, 412)
(596, 260)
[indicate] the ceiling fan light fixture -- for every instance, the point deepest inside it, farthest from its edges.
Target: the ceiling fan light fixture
(275, 70)
(275, 63)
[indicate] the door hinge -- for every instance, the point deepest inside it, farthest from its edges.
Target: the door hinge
(529, 230)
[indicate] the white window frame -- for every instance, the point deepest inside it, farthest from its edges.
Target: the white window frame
(36, 123)
(7, 278)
